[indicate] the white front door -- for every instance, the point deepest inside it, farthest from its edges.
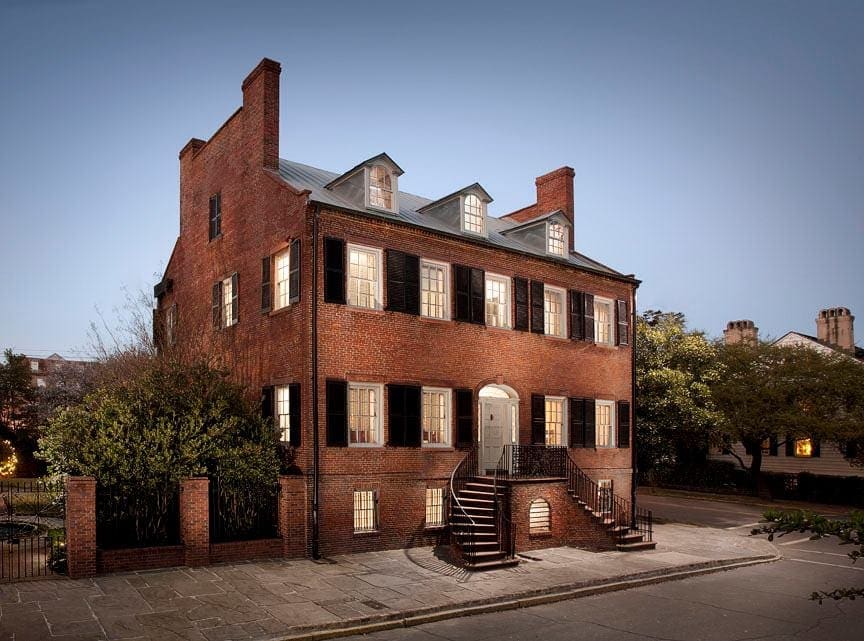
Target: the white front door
(496, 420)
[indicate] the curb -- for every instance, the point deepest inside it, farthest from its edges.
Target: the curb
(411, 618)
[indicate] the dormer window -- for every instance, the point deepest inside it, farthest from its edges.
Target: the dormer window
(473, 215)
(555, 238)
(380, 188)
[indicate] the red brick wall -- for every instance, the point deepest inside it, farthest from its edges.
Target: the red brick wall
(81, 526)
(132, 559)
(293, 522)
(570, 525)
(245, 550)
(195, 520)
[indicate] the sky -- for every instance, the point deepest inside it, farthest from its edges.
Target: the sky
(718, 146)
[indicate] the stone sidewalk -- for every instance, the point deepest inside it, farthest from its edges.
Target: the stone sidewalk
(359, 592)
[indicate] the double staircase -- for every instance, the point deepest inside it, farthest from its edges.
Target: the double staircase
(481, 529)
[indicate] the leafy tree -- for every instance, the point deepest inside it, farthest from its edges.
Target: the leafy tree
(18, 423)
(850, 532)
(770, 392)
(675, 368)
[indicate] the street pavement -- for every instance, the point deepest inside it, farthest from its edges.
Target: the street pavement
(277, 598)
(769, 602)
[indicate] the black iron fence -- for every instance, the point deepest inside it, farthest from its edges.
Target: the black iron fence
(137, 516)
(533, 461)
(32, 534)
(242, 511)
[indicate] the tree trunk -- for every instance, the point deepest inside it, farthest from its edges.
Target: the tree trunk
(756, 477)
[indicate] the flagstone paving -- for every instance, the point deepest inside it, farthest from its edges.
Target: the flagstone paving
(269, 599)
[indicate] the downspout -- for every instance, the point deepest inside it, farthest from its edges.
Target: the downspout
(315, 447)
(634, 471)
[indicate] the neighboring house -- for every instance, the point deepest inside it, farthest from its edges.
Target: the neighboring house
(834, 334)
(412, 337)
(44, 372)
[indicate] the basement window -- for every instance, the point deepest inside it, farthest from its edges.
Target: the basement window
(539, 517)
(365, 510)
(434, 507)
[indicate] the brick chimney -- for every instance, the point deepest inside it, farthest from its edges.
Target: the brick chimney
(740, 331)
(554, 192)
(835, 327)
(261, 110)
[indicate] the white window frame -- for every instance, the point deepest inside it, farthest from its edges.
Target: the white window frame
(610, 339)
(549, 238)
(432, 505)
(40, 382)
(508, 294)
(564, 435)
(227, 309)
(378, 388)
(446, 268)
(612, 441)
(562, 294)
(282, 401)
(540, 522)
(379, 281)
(448, 418)
(281, 291)
(376, 514)
(463, 213)
(394, 189)
(34, 366)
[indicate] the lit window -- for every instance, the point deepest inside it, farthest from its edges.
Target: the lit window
(283, 271)
(603, 321)
(380, 188)
(804, 447)
(555, 421)
(40, 382)
(364, 425)
(553, 312)
(364, 276)
(436, 416)
(497, 301)
(539, 517)
(555, 240)
(365, 510)
(283, 413)
(227, 303)
(34, 366)
(434, 506)
(473, 215)
(433, 289)
(605, 428)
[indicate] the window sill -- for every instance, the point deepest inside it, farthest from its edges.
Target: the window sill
(365, 446)
(366, 532)
(434, 528)
(433, 319)
(554, 337)
(215, 238)
(435, 447)
(373, 310)
(498, 328)
(276, 312)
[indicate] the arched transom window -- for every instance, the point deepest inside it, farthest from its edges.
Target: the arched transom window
(473, 214)
(555, 241)
(380, 188)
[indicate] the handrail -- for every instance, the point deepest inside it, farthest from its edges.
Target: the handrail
(455, 495)
(457, 482)
(506, 530)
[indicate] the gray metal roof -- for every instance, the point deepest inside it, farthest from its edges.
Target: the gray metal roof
(303, 176)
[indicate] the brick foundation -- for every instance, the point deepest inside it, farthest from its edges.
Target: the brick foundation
(81, 526)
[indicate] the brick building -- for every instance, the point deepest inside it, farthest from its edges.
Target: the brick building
(407, 347)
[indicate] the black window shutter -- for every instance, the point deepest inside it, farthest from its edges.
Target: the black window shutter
(217, 305)
(412, 284)
(478, 296)
(622, 323)
(623, 432)
(396, 414)
(235, 299)
(294, 272)
(538, 305)
(413, 432)
(520, 294)
(294, 417)
(464, 417)
(337, 413)
(790, 445)
(462, 287)
(334, 270)
(266, 291)
(396, 280)
(772, 446)
(588, 316)
(590, 423)
(577, 313)
(538, 419)
(817, 447)
(267, 402)
(577, 422)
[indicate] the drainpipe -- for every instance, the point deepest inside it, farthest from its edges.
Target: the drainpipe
(315, 447)
(633, 405)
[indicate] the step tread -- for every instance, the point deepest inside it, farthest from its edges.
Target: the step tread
(491, 565)
(632, 547)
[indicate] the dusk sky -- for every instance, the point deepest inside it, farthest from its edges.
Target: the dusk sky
(718, 146)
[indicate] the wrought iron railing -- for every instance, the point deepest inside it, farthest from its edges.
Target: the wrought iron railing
(242, 511)
(465, 544)
(137, 516)
(533, 461)
(503, 510)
